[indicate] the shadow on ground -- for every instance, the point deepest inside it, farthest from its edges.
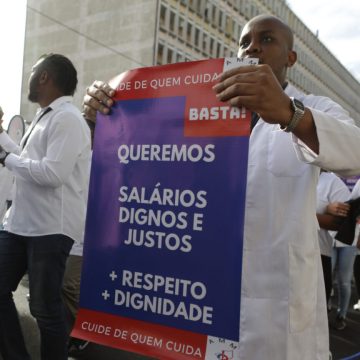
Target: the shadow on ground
(344, 344)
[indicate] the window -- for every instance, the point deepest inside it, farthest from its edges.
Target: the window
(212, 48)
(228, 26)
(160, 54)
(205, 42)
(221, 21)
(189, 30)
(193, 5)
(179, 57)
(172, 21)
(215, 15)
(170, 55)
(181, 28)
(197, 36)
(163, 11)
(219, 50)
(208, 12)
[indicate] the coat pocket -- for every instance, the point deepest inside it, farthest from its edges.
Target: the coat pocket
(282, 159)
(303, 273)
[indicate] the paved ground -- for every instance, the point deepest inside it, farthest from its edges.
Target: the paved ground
(92, 352)
(344, 344)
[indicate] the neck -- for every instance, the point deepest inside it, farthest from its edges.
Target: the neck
(48, 97)
(48, 93)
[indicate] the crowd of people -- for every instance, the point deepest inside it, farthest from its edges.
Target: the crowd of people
(332, 208)
(296, 135)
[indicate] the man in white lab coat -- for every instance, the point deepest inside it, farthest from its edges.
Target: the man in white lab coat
(283, 310)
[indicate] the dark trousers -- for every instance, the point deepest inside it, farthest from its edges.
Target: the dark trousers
(327, 270)
(44, 258)
(357, 274)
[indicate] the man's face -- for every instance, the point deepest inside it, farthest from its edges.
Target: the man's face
(268, 41)
(34, 82)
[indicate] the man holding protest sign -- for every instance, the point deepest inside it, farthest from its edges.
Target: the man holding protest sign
(282, 285)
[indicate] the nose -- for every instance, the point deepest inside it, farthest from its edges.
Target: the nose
(253, 48)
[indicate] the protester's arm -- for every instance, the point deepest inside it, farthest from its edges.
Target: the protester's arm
(334, 215)
(98, 98)
(257, 88)
(329, 222)
(65, 143)
(338, 209)
(7, 143)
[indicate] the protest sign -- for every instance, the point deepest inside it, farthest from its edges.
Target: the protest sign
(163, 246)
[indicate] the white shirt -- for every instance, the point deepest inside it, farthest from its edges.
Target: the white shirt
(330, 189)
(78, 247)
(51, 174)
(6, 182)
(283, 307)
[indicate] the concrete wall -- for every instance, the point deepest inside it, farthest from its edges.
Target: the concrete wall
(102, 38)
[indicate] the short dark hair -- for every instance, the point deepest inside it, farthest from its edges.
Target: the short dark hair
(62, 71)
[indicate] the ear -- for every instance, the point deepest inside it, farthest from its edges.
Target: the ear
(292, 57)
(44, 77)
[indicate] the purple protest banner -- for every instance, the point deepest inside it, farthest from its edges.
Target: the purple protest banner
(163, 246)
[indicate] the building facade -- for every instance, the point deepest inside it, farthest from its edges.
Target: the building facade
(105, 38)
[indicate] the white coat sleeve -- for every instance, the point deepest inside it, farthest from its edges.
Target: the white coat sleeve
(8, 144)
(65, 143)
(339, 140)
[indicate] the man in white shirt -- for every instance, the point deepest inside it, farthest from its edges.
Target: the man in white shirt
(48, 211)
(331, 209)
(283, 308)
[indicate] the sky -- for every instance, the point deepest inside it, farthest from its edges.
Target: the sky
(338, 26)
(337, 23)
(12, 27)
